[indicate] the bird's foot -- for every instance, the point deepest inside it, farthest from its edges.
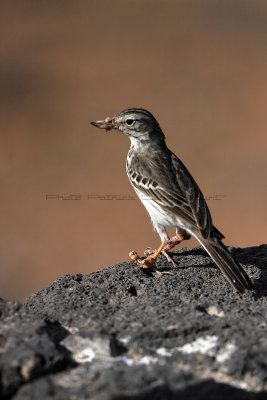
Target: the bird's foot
(150, 260)
(164, 248)
(150, 251)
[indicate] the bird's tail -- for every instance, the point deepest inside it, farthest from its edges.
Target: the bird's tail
(233, 272)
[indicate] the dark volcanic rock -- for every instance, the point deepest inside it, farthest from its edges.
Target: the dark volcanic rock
(123, 333)
(29, 347)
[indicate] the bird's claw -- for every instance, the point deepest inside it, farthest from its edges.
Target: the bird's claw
(147, 262)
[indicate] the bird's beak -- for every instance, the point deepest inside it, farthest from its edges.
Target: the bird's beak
(104, 124)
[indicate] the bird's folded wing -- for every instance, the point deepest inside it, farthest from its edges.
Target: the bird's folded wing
(174, 189)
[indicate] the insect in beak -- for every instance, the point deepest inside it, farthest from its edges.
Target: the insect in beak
(104, 124)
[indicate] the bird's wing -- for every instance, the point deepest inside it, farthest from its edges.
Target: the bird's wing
(164, 178)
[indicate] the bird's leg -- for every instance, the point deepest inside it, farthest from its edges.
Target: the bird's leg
(174, 241)
(149, 261)
(177, 239)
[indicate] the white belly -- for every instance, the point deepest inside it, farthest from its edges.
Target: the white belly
(157, 214)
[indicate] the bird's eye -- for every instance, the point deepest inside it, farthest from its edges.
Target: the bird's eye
(129, 122)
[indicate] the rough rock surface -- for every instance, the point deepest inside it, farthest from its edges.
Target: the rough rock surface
(124, 333)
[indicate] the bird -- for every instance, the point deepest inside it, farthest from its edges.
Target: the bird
(170, 195)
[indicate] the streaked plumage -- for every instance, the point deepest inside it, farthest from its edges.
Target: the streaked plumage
(169, 192)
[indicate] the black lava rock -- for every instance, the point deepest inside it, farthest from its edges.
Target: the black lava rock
(124, 333)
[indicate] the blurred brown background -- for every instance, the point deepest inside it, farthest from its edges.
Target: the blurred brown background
(198, 66)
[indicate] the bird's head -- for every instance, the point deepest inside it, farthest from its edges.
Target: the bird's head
(136, 123)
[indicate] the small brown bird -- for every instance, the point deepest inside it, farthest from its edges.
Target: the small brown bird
(170, 194)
